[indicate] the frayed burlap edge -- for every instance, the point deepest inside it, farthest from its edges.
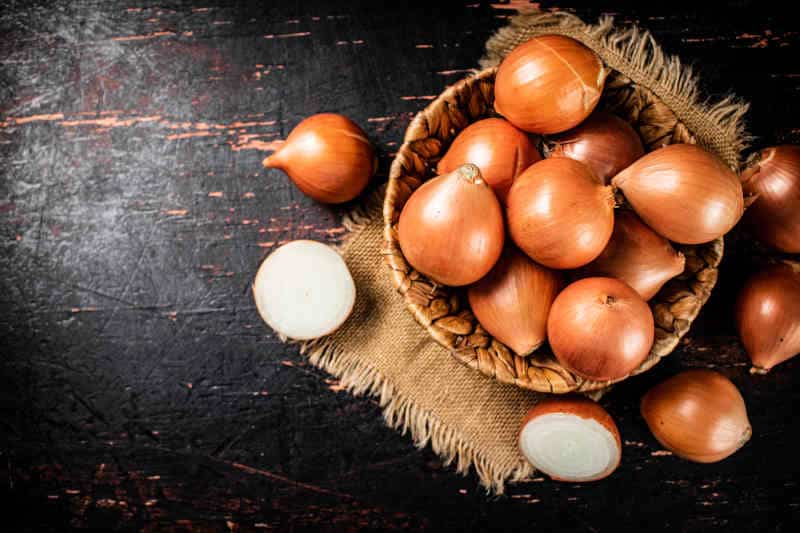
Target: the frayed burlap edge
(719, 126)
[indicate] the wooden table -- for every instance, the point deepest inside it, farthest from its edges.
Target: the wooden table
(139, 389)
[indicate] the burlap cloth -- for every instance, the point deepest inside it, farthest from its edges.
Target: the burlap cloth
(467, 418)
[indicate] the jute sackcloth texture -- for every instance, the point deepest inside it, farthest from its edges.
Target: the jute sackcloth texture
(382, 350)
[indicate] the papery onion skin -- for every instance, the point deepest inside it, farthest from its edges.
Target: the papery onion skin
(600, 329)
(549, 84)
(638, 256)
(684, 193)
(499, 149)
(560, 214)
(768, 315)
(451, 228)
(698, 415)
(512, 301)
(603, 142)
(328, 157)
(581, 407)
(774, 217)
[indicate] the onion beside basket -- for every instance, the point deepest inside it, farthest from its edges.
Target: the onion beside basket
(445, 311)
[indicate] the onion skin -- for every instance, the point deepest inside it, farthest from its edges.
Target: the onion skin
(579, 406)
(451, 228)
(328, 157)
(560, 214)
(549, 84)
(499, 149)
(638, 256)
(604, 142)
(512, 301)
(768, 315)
(698, 415)
(774, 217)
(600, 329)
(684, 193)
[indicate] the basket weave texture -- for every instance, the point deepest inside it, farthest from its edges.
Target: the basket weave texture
(445, 312)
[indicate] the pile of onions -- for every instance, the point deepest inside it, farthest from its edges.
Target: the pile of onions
(570, 439)
(451, 228)
(549, 84)
(513, 301)
(698, 415)
(560, 214)
(768, 315)
(600, 329)
(303, 290)
(497, 148)
(638, 256)
(604, 142)
(328, 157)
(684, 193)
(775, 215)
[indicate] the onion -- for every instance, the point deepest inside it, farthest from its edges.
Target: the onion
(638, 256)
(451, 228)
(604, 142)
(560, 214)
(303, 290)
(499, 149)
(328, 157)
(698, 415)
(512, 302)
(768, 315)
(600, 328)
(775, 215)
(549, 84)
(570, 439)
(684, 193)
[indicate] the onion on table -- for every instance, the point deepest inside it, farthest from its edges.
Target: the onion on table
(328, 157)
(768, 315)
(497, 148)
(570, 438)
(304, 290)
(698, 415)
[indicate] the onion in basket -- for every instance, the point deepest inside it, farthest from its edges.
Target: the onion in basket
(451, 228)
(560, 214)
(684, 193)
(570, 439)
(549, 84)
(497, 148)
(303, 290)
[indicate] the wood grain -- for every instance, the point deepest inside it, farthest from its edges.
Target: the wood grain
(138, 388)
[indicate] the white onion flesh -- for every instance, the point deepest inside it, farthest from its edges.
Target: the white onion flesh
(304, 290)
(569, 447)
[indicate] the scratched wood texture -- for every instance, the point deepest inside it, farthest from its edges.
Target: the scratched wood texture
(138, 388)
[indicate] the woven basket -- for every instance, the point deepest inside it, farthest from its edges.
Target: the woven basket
(445, 312)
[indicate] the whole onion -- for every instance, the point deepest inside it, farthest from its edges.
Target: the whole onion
(600, 329)
(698, 414)
(549, 84)
(496, 147)
(768, 315)
(560, 214)
(638, 256)
(604, 142)
(684, 193)
(512, 301)
(451, 227)
(328, 157)
(775, 215)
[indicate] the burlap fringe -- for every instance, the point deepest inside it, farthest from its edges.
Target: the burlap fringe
(635, 53)
(673, 80)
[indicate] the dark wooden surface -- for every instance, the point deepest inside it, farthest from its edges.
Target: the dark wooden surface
(138, 387)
